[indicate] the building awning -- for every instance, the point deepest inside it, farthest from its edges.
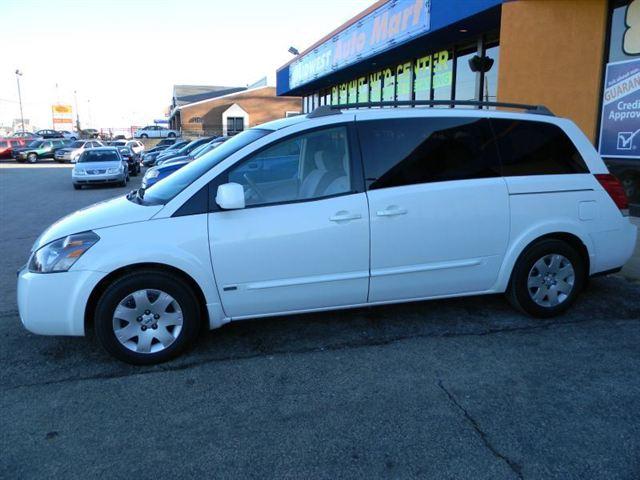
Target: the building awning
(387, 32)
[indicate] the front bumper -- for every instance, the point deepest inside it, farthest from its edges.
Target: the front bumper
(54, 303)
(96, 179)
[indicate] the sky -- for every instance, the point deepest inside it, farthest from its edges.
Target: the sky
(123, 57)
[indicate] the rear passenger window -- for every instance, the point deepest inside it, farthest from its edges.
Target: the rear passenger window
(536, 148)
(410, 151)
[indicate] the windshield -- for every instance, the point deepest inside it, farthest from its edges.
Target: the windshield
(164, 190)
(35, 143)
(99, 156)
(77, 145)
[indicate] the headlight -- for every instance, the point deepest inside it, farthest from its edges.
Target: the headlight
(79, 171)
(114, 170)
(152, 174)
(61, 254)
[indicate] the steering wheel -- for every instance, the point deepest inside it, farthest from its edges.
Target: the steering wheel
(254, 187)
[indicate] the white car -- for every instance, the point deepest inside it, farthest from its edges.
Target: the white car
(335, 209)
(69, 135)
(136, 146)
(99, 166)
(154, 131)
(73, 151)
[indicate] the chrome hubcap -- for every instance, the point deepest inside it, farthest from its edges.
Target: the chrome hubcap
(551, 280)
(147, 321)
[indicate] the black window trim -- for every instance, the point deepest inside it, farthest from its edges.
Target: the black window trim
(357, 177)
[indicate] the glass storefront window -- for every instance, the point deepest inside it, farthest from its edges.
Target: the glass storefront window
(430, 77)
(422, 79)
(389, 85)
(490, 93)
(335, 99)
(375, 83)
(363, 90)
(342, 100)
(466, 79)
(403, 79)
(353, 91)
(442, 75)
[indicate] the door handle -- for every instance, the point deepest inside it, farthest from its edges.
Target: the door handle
(391, 211)
(345, 217)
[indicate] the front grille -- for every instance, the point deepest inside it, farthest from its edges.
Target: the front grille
(96, 172)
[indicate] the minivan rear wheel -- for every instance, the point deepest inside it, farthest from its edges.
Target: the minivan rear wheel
(547, 278)
(147, 317)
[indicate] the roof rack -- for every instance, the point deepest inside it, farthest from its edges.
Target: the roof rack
(325, 110)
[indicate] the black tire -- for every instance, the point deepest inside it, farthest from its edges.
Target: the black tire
(32, 158)
(144, 135)
(520, 295)
(147, 279)
(77, 187)
(171, 135)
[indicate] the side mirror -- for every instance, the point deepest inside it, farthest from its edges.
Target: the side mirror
(230, 196)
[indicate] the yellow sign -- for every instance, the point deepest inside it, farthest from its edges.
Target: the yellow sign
(62, 109)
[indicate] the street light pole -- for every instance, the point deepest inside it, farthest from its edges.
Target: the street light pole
(18, 75)
(75, 98)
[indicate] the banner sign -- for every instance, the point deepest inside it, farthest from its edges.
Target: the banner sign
(62, 117)
(620, 125)
(388, 25)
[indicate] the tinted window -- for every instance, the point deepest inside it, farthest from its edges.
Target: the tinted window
(3, 144)
(409, 151)
(307, 166)
(536, 148)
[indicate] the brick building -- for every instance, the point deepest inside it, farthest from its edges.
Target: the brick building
(231, 113)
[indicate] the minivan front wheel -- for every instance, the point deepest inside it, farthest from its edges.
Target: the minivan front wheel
(147, 317)
(547, 278)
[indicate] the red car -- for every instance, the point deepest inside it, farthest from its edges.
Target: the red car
(8, 144)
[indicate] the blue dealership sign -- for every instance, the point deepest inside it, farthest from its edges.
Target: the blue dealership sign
(392, 23)
(620, 126)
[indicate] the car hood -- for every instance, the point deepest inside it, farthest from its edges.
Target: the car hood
(117, 211)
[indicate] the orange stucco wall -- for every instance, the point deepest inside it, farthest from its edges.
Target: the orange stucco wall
(551, 53)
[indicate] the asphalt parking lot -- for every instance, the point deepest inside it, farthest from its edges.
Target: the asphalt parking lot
(463, 388)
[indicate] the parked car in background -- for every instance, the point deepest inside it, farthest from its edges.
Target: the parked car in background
(149, 158)
(99, 166)
(27, 135)
(69, 135)
(183, 151)
(7, 145)
(90, 133)
(131, 158)
(157, 173)
(155, 131)
(165, 142)
(38, 150)
(136, 146)
(49, 134)
(70, 153)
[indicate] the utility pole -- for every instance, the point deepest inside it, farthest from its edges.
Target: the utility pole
(75, 98)
(18, 75)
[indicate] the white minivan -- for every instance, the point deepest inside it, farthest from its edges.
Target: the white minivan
(335, 209)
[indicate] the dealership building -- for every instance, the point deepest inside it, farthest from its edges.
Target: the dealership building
(579, 58)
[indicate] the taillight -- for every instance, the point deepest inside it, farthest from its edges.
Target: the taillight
(614, 188)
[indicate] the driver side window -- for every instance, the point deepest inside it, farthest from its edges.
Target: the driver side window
(304, 167)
